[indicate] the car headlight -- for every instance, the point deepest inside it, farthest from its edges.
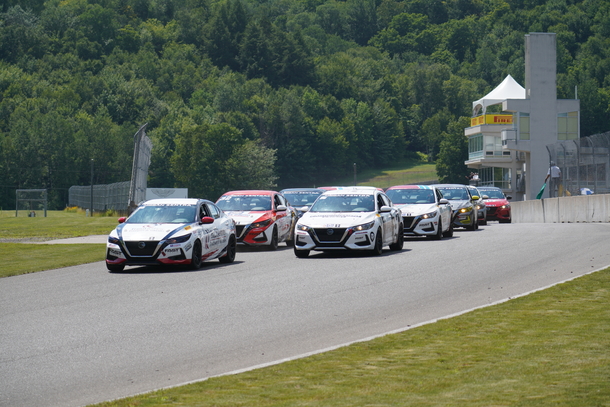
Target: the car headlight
(366, 226)
(467, 209)
(113, 240)
(180, 239)
(302, 227)
(505, 206)
(479, 207)
(261, 224)
(428, 215)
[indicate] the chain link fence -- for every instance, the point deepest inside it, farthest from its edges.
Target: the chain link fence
(105, 197)
(584, 165)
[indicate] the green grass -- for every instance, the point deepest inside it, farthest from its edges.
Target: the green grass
(550, 348)
(21, 258)
(407, 171)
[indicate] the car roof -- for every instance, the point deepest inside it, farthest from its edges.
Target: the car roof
(174, 201)
(450, 186)
(251, 192)
(411, 187)
(352, 190)
(301, 190)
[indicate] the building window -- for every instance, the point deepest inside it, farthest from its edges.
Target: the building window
(495, 177)
(475, 146)
(567, 126)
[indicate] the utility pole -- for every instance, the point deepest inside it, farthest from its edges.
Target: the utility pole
(91, 202)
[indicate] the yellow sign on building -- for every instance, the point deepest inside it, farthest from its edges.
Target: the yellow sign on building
(491, 119)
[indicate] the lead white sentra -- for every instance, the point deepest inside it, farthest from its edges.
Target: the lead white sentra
(349, 218)
(172, 232)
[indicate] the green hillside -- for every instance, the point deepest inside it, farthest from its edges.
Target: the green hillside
(267, 94)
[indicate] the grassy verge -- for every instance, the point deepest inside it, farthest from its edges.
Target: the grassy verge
(549, 348)
(21, 258)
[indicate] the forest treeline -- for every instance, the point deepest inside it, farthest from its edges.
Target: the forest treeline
(268, 93)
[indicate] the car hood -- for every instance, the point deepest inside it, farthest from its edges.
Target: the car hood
(459, 204)
(150, 231)
(246, 217)
(336, 219)
(417, 209)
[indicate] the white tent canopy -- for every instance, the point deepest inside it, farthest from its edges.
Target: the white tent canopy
(508, 89)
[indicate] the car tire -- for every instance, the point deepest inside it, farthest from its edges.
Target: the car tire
(378, 249)
(231, 250)
(301, 254)
(274, 240)
(439, 233)
(449, 232)
(473, 225)
(196, 256)
(115, 268)
(509, 220)
(400, 240)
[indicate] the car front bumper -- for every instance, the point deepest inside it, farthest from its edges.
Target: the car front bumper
(334, 239)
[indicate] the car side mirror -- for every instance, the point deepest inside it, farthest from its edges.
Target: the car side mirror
(485, 197)
(207, 220)
(281, 208)
(509, 197)
(122, 219)
(304, 209)
(443, 201)
(385, 208)
(476, 197)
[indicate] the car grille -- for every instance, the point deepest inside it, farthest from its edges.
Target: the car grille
(329, 234)
(407, 221)
(491, 211)
(148, 249)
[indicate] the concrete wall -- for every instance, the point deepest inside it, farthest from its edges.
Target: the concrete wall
(569, 209)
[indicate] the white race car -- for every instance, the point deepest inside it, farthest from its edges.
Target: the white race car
(424, 210)
(349, 218)
(172, 232)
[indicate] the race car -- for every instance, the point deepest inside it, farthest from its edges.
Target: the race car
(424, 210)
(349, 218)
(300, 197)
(463, 204)
(498, 207)
(179, 231)
(262, 218)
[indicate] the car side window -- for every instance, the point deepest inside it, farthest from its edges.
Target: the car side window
(203, 211)
(380, 202)
(214, 211)
(277, 201)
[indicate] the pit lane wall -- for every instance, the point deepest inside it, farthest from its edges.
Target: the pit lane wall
(568, 209)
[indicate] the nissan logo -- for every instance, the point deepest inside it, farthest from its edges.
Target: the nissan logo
(330, 231)
(141, 245)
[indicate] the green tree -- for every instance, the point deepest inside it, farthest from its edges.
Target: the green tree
(453, 152)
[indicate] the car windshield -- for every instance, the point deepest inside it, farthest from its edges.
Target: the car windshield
(244, 203)
(344, 203)
(411, 196)
(304, 198)
(163, 214)
(493, 193)
(455, 194)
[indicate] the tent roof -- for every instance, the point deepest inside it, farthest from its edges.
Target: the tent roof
(508, 89)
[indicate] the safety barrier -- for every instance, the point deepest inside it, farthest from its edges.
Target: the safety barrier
(569, 209)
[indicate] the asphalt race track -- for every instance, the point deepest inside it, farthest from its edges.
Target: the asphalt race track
(81, 335)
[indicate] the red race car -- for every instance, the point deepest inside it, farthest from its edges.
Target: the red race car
(262, 218)
(498, 207)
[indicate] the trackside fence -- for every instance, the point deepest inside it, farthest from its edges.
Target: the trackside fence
(105, 197)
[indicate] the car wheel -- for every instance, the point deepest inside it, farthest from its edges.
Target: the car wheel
(449, 232)
(378, 249)
(473, 225)
(509, 220)
(115, 268)
(231, 250)
(301, 254)
(439, 233)
(400, 240)
(196, 256)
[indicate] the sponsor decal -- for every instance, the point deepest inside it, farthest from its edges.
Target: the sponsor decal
(188, 247)
(188, 227)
